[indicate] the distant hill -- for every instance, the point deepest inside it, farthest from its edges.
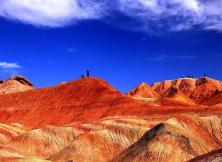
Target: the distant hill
(15, 84)
(143, 90)
(199, 90)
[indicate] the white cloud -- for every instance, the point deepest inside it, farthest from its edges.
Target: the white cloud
(149, 15)
(8, 65)
(51, 13)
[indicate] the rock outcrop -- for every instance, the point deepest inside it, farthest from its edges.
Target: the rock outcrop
(15, 84)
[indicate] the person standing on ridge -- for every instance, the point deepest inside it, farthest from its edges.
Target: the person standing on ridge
(88, 73)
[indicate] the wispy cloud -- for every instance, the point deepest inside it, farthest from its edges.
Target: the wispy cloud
(149, 15)
(9, 69)
(174, 15)
(170, 57)
(9, 65)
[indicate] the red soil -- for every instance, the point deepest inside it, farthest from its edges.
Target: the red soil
(82, 100)
(63, 104)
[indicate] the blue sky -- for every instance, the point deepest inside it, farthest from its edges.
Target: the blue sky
(124, 42)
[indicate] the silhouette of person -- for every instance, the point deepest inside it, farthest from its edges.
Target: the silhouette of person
(88, 73)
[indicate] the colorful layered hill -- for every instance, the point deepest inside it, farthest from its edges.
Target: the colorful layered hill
(84, 99)
(87, 120)
(144, 94)
(199, 90)
(143, 90)
(178, 139)
(115, 139)
(173, 97)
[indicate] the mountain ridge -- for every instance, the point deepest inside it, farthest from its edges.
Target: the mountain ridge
(198, 90)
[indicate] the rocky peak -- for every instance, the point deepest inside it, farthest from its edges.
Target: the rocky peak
(143, 90)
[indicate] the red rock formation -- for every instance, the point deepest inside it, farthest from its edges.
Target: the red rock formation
(215, 100)
(90, 121)
(84, 99)
(173, 97)
(143, 90)
(199, 90)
